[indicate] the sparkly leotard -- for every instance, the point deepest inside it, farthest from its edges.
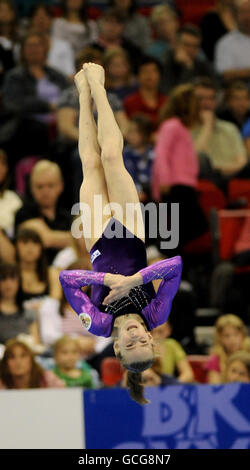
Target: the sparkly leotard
(125, 255)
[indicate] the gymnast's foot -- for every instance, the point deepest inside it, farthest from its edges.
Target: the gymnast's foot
(94, 74)
(81, 82)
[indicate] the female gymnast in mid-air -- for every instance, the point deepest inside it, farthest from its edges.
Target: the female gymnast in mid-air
(123, 301)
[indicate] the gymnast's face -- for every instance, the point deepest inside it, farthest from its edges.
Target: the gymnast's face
(134, 342)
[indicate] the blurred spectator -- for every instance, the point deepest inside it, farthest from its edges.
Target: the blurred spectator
(136, 28)
(8, 22)
(219, 143)
(66, 355)
(75, 27)
(230, 337)
(183, 62)
(232, 58)
(111, 29)
(118, 77)
(238, 367)
(14, 319)
(10, 202)
(60, 53)
(138, 154)
(38, 280)
(66, 146)
(44, 213)
(165, 23)
(75, 250)
(236, 106)
(173, 356)
(175, 167)
(30, 93)
(215, 24)
(147, 100)
(19, 369)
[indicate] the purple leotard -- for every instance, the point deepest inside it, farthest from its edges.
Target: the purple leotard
(154, 309)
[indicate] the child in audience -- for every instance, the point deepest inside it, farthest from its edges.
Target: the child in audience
(238, 367)
(19, 370)
(172, 354)
(66, 355)
(230, 337)
(138, 154)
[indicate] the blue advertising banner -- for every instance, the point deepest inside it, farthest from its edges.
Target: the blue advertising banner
(178, 417)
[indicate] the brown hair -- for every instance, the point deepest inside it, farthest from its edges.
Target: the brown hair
(11, 270)
(31, 34)
(235, 86)
(179, 104)
(26, 235)
(134, 379)
(36, 375)
(88, 54)
(109, 55)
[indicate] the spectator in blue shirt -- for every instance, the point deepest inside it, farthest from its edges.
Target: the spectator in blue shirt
(138, 154)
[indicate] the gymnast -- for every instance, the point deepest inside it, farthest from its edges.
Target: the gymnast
(123, 301)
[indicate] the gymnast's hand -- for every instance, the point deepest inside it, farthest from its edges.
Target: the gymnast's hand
(120, 285)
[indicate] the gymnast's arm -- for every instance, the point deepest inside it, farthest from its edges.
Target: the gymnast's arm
(169, 270)
(98, 323)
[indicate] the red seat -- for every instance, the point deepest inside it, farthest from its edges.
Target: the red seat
(210, 197)
(229, 225)
(111, 371)
(197, 362)
(239, 188)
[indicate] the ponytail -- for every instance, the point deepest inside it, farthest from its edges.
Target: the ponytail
(136, 389)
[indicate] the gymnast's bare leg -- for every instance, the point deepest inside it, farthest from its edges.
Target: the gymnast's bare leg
(94, 182)
(120, 186)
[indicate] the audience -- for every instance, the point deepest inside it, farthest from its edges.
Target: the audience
(37, 279)
(60, 53)
(67, 355)
(74, 26)
(19, 369)
(43, 213)
(215, 24)
(230, 337)
(219, 143)
(236, 107)
(176, 167)
(165, 24)
(14, 318)
(138, 154)
(201, 130)
(238, 367)
(148, 99)
(118, 77)
(232, 59)
(136, 28)
(183, 62)
(30, 93)
(111, 34)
